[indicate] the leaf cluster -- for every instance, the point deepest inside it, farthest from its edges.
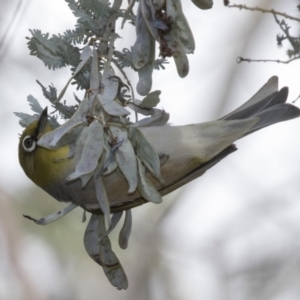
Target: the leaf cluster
(97, 129)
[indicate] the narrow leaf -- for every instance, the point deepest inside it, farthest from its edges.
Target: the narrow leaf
(151, 100)
(145, 187)
(141, 50)
(84, 57)
(94, 74)
(102, 198)
(50, 140)
(114, 221)
(125, 158)
(112, 107)
(102, 253)
(145, 151)
(109, 93)
(126, 230)
(159, 118)
(91, 152)
(53, 217)
(34, 104)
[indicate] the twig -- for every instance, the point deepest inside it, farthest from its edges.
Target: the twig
(296, 99)
(241, 59)
(127, 12)
(263, 10)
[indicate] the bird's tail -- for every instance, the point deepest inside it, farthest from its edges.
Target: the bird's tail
(268, 104)
(265, 108)
(193, 149)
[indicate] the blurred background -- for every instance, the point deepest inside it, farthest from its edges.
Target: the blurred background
(232, 234)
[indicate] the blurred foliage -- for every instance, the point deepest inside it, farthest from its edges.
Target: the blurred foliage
(282, 20)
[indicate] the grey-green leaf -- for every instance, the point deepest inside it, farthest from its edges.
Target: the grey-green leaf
(91, 152)
(114, 221)
(84, 57)
(151, 100)
(102, 198)
(34, 104)
(53, 217)
(125, 158)
(145, 152)
(94, 74)
(102, 253)
(145, 187)
(135, 106)
(144, 84)
(159, 117)
(126, 230)
(203, 4)
(141, 50)
(112, 107)
(50, 140)
(109, 93)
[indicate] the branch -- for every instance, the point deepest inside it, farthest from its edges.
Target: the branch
(241, 59)
(263, 10)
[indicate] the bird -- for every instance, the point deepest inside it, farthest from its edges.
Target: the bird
(186, 152)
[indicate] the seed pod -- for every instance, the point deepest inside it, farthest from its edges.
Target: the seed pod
(141, 50)
(203, 4)
(158, 4)
(179, 55)
(180, 26)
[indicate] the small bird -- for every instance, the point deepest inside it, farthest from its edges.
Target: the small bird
(185, 152)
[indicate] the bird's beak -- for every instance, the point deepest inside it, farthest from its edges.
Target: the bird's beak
(42, 122)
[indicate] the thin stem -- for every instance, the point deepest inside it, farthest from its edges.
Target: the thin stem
(241, 59)
(128, 82)
(263, 10)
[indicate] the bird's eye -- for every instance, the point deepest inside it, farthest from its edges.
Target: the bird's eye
(28, 143)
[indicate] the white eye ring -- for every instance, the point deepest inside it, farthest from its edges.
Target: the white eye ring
(28, 143)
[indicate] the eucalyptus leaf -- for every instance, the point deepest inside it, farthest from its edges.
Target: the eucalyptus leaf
(126, 230)
(145, 187)
(125, 158)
